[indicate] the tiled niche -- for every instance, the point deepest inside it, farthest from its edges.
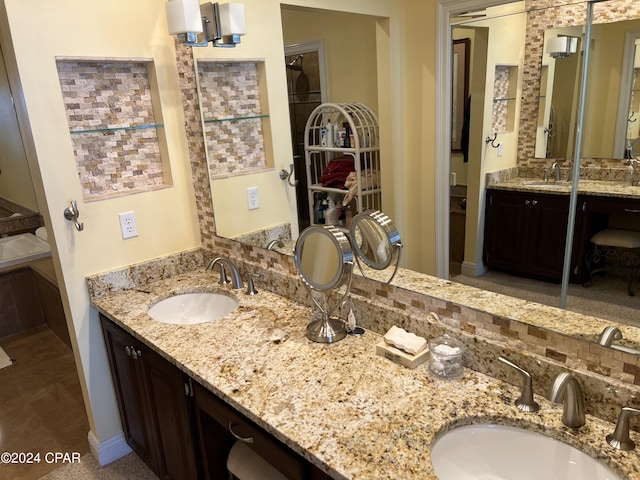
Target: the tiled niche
(504, 98)
(234, 113)
(117, 135)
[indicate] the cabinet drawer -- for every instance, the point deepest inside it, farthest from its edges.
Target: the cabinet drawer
(238, 426)
(612, 205)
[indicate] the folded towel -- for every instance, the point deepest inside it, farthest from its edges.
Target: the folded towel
(369, 179)
(409, 342)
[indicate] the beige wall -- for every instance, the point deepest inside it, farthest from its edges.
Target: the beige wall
(350, 51)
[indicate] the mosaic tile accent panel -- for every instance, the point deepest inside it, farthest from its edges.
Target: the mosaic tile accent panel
(500, 102)
(232, 112)
(195, 141)
(111, 119)
(541, 17)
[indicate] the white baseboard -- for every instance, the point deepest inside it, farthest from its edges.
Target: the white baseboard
(109, 450)
(471, 269)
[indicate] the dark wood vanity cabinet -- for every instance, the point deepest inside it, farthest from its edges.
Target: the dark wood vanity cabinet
(525, 233)
(154, 407)
(177, 427)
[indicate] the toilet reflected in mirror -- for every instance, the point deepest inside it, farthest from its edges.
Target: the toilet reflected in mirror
(324, 260)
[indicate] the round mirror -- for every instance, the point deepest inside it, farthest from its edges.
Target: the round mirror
(375, 239)
(323, 257)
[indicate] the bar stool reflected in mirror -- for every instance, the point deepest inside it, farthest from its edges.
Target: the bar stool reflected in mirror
(615, 250)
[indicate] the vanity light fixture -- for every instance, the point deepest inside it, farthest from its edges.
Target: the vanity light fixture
(561, 46)
(196, 25)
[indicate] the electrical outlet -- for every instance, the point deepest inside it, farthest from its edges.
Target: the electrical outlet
(252, 198)
(128, 224)
(499, 149)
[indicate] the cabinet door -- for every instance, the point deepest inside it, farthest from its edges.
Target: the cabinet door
(548, 235)
(135, 409)
(172, 417)
(505, 234)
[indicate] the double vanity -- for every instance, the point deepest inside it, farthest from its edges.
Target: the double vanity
(313, 410)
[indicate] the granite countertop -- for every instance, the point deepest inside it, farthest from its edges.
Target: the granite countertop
(585, 186)
(351, 412)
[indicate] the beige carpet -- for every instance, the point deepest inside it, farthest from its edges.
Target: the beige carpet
(129, 467)
(606, 299)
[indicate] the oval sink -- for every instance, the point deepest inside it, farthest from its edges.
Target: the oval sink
(192, 308)
(475, 452)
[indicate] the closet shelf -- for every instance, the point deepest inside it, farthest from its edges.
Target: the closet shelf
(363, 149)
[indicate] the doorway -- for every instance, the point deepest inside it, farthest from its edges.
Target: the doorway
(306, 90)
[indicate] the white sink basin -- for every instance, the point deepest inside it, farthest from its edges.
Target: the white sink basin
(192, 308)
(493, 452)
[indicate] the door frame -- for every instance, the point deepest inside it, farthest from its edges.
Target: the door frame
(444, 10)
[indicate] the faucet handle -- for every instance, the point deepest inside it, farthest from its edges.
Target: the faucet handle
(620, 437)
(525, 403)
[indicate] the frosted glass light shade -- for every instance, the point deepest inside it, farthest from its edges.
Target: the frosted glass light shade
(562, 47)
(232, 21)
(183, 16)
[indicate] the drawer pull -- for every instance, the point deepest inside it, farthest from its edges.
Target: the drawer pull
(631, 210)
(238, 437)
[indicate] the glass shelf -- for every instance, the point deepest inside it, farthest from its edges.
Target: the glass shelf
(503, 99)
(234, 119)
(116, 129)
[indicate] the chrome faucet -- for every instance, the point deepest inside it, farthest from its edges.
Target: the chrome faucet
(556, 168)
(275, 243)
(608, 335)
(620, 437)
(566, 388)
(236, 280)
(634, 163)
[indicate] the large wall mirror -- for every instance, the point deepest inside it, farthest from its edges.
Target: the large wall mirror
(522, 72)
(609, 112)
(16, 188)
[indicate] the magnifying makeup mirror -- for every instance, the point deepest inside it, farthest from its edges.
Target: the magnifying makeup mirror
(324, 260)
(375, 241)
